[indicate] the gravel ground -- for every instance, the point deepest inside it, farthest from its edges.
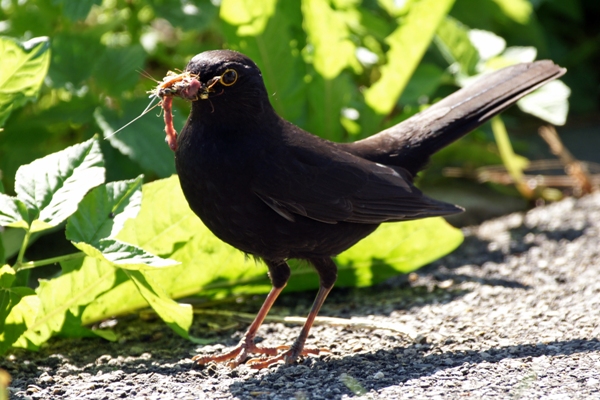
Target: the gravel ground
(513, 313)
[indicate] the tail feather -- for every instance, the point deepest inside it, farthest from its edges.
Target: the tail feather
(410, 143)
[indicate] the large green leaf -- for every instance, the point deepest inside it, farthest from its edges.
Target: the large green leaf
(52, 187)
(77, 286)
(18, 308)
(13, 212)
(266, 31)
(407, 46)
(143, 140)
(330, 37)
(103, 212)
(550, 102)
(214, 268)
(123, 255)
(24, 67)
(178, 316)
(452, 38)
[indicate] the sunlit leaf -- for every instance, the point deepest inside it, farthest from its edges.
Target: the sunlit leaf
(329, 35)
(22, 305)
(177, 316)
(123, 255)
(519, 10)
(250, 16)
(407, 46)
(52, 187)
(24, 67)
(66, 293)
(102, 213)
(275, 49)
(452, 38)
(550, 102)
(13, 212)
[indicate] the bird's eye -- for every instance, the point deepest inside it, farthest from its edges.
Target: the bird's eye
(229, 77)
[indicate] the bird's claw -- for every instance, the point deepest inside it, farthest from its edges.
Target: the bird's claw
(288, 357)
(238, 354)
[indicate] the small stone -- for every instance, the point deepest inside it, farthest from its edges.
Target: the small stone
(379, 375)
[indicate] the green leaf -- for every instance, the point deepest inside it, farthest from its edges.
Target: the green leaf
(76, 10)
(518, 10)
(550, 102)
(123, 255)
(13, 212)
(251, 16)
(83, 282)
(104, 210)
(328, 33)
(452, 38)
(407, 46)
(195, 16)
(396, 248)
(118, 68)
(7, 277)
(327, 98)
(74, 55)
(24, 67)
(52, 187)
(275, 48)
(18, 308)
(178, 316)
(144, 140)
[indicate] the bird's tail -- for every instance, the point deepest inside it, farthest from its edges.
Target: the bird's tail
(410, 143)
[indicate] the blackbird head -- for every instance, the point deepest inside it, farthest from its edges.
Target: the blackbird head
(230, 81)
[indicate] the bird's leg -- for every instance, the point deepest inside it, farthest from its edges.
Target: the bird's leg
(327, 274)
(279, 272)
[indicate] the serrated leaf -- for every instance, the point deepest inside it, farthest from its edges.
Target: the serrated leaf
(52, 187)
(24, 67)
(104, 210)
(328, 33)
(178, 316)
(144, 140)
(550, 102)
(66, 293)
(123, 255)
(407, 46)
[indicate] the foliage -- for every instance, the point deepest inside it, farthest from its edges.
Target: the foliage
(342, 69)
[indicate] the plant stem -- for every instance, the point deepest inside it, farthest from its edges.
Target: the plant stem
(47, 261)
(23, 248)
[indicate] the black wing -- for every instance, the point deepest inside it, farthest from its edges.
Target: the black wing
(326, 184)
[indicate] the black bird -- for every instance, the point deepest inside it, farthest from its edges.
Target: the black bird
(276, 192)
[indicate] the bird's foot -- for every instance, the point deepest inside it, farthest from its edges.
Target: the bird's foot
(287, 357)
(238, 354)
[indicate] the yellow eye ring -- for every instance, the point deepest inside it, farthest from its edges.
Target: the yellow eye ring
(229, 77)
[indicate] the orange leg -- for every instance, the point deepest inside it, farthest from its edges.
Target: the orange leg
(297, 349)
(279, 272)
(246, 346)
